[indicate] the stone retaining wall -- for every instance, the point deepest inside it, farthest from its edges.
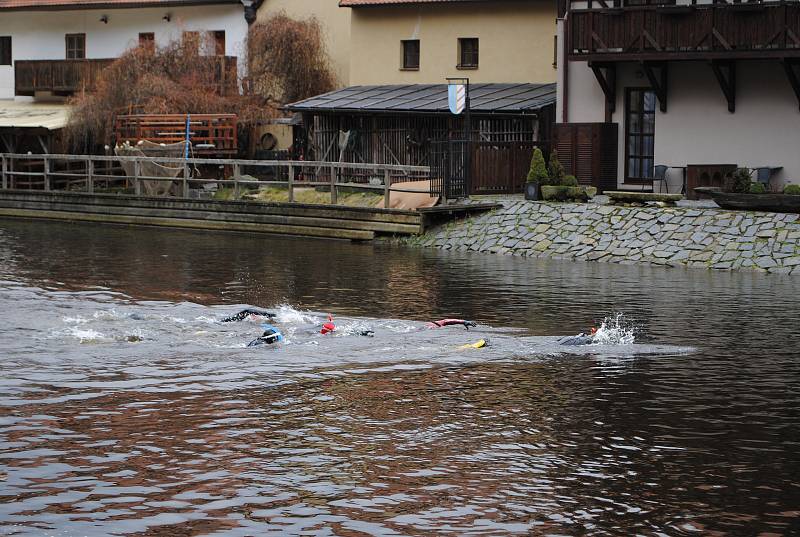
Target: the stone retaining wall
(705, 238)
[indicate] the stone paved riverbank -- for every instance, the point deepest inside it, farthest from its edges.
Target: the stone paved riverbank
(676, 236)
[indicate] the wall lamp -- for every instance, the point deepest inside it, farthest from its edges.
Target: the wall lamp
(167, 17)
(104, 19)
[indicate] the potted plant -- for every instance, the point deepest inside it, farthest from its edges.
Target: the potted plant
(537, 175)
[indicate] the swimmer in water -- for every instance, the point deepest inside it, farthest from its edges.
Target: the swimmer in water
(580, 339)
(247, 314)
(270, 336)
(329, 328)
(451, 322)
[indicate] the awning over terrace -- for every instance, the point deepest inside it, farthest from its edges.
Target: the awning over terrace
(28, 115)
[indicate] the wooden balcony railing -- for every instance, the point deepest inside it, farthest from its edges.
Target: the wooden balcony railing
(61, 77)
(66, 77)
(693, 31)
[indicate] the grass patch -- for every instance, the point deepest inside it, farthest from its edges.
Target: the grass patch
(309, 195)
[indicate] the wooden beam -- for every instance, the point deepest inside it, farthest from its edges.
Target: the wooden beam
(725, 71)
(8, 141)
(793, 76)
(606, 75)
(43, 144)
(658, 83)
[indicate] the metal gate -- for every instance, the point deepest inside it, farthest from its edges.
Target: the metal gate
(450, 169)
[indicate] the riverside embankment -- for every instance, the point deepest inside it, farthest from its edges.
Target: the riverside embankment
(677, 236)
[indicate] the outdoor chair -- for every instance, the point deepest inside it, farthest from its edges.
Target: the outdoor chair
(660, 174)
(763, 175)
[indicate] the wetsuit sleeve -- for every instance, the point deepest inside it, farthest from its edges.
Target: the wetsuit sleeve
(244, 314)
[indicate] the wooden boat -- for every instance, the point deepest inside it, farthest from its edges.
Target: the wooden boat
(774, 203)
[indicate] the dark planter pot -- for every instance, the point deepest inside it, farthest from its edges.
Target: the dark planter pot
(532, 190)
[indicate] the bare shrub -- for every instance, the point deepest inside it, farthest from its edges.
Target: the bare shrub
(174, 79)
(287, 59)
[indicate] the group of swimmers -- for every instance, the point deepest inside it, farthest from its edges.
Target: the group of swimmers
(273, 335)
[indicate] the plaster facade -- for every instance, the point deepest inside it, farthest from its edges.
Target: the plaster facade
(516, 42)
(40, 35)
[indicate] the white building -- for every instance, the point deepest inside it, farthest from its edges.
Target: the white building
(62, 30)
(678, 89)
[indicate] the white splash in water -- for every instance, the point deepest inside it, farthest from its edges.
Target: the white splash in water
(615, 330)
(86, 335)
(286, 314)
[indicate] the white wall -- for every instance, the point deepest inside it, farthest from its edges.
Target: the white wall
(39, 35)
(697, 128)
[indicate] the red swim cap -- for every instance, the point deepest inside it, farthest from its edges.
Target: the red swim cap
(327, 328)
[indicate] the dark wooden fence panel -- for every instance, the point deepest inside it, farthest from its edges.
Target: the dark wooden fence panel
(589, 152)
(500, 167)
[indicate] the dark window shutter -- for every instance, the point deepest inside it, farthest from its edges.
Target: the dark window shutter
(589, 152)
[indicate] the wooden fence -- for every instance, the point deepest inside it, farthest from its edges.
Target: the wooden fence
(93, 174)
(209, 134)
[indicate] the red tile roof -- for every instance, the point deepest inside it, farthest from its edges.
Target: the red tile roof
(365, 3)
(100, 4)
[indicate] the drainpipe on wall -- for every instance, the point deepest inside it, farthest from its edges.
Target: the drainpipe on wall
(565, 66)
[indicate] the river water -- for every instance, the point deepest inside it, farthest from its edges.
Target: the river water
(127, 409)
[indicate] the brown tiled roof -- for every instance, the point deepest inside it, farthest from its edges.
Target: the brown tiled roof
(99, 4)
(365, 3)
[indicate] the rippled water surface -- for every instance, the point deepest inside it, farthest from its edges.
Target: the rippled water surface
(127, 409)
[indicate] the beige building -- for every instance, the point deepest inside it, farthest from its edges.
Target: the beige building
(417, 42)
(335, 22)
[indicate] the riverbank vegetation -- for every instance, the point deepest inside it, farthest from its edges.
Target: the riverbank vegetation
(285, 61)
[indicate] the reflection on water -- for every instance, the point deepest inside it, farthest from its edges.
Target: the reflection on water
(181, 431)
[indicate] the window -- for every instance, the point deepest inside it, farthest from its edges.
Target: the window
(640, 130)
(219, 42)
(468, 53)
(5, 50)
(147, 40)
(411, 54)
(76, 46)
(191, 41)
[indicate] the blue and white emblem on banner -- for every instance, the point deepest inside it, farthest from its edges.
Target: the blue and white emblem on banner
(456, 97)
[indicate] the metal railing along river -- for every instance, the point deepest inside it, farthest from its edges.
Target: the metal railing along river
(93, 174)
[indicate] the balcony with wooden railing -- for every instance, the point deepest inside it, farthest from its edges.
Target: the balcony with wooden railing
(67, 77)
(614, 30)
(60, 77)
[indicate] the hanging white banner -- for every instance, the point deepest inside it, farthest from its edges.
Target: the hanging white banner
(456, 97)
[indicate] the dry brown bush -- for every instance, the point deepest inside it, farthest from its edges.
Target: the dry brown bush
(287, 62)
(287, 59)
(174, 79)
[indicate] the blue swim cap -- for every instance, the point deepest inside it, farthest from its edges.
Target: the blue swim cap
(275, 331)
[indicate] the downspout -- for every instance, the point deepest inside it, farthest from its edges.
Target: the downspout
(564, 65)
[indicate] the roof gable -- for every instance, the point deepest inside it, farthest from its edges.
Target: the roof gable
(368, 3)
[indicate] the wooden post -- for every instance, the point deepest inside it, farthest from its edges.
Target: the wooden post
(236, 176)
(46, 173)
(291, 183)
(387, 188)
(334, 199)
(90, 176)
(5, 173)
(137, 185)
(185, 181)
